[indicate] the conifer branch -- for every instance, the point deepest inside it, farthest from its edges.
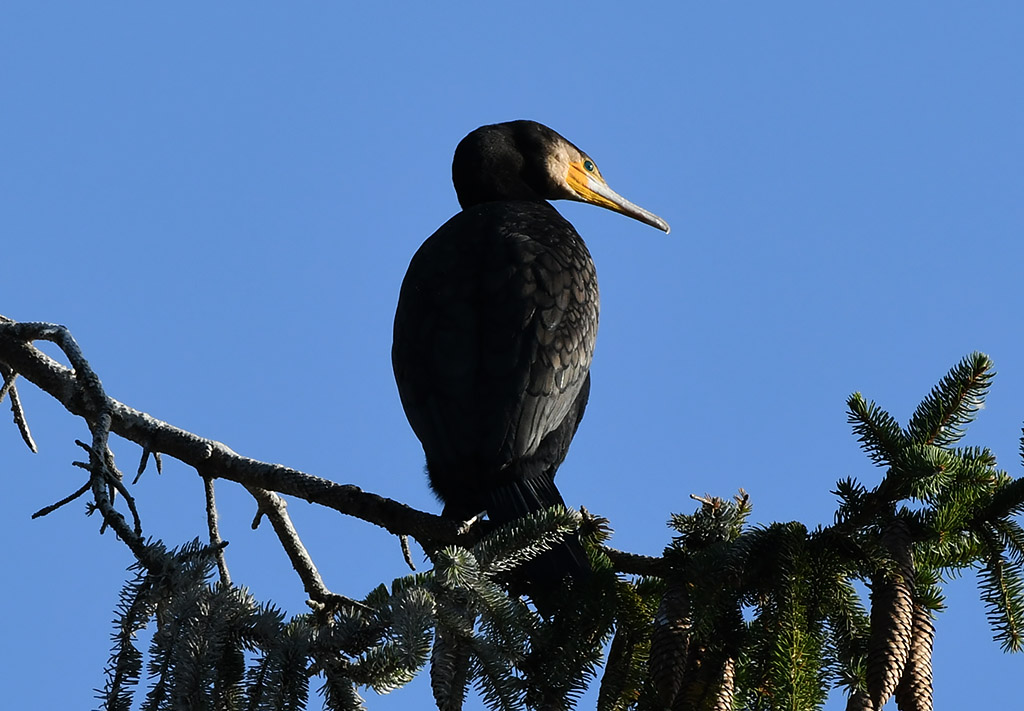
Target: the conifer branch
(449, 668)
(1002, 592)
(1007, 500)
(941, 417)
(937, 508)
(877, 431)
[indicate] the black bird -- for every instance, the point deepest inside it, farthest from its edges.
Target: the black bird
(496, 325)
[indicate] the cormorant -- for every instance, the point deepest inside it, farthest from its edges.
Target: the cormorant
(496, 324)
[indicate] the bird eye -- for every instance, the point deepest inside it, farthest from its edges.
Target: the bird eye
(590, 167)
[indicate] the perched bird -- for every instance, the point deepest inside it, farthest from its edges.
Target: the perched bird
(496, 324)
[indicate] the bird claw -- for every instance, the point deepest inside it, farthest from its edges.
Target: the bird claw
(468, 524)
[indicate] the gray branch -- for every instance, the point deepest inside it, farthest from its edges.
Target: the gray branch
(17, 411)
(80, 392)
(276, 510)
(211, 522)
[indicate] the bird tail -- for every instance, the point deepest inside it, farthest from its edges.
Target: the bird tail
(547, 571)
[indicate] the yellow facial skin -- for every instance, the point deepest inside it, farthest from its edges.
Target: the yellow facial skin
(585, 181)
(579, 179)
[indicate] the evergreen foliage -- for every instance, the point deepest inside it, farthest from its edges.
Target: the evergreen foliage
(731, 616)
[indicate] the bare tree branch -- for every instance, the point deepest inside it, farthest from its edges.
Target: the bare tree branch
(634, 563)
(104, 474)
(215, 539)
(276, 509)
(80, 392)
(46, 510)
(9, 376)
(144, 461)
(406, 553)
(115, 483)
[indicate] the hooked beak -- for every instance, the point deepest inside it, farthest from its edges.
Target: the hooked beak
(589, 186)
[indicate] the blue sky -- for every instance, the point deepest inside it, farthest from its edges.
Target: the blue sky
(221, 201)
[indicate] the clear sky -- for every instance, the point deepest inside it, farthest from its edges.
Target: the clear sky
(221, 199)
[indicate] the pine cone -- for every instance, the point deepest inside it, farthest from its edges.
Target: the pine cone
(449, 669)
(858, 701)
(697, 682)
(900, 546)
(892, 614)
(726, 687)
(914, 692)
(670, 642)
(709, 684)
(615, 690)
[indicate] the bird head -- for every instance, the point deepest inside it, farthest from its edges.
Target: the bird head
(526, 160)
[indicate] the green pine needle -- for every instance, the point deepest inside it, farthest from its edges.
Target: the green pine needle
(943, 415)
(877, 431)
(1002, 592)
(806, 627)
(1007, 500)
(494, 679)
(519, 541)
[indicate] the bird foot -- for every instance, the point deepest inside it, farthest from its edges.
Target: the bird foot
(466, 525)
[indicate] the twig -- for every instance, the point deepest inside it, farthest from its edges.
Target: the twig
(215, 539)
(276, 509)
(46, 510)
(9, 376)
(209, 455)
(81, 393)
(406, 553)
(21, 421)
(714, 502)
(17, 410)
(146, 451)
(257, 519)
(88, 390)
(115, 481)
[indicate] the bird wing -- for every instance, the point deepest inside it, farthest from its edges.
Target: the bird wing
(494, 333)
(562, 286)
